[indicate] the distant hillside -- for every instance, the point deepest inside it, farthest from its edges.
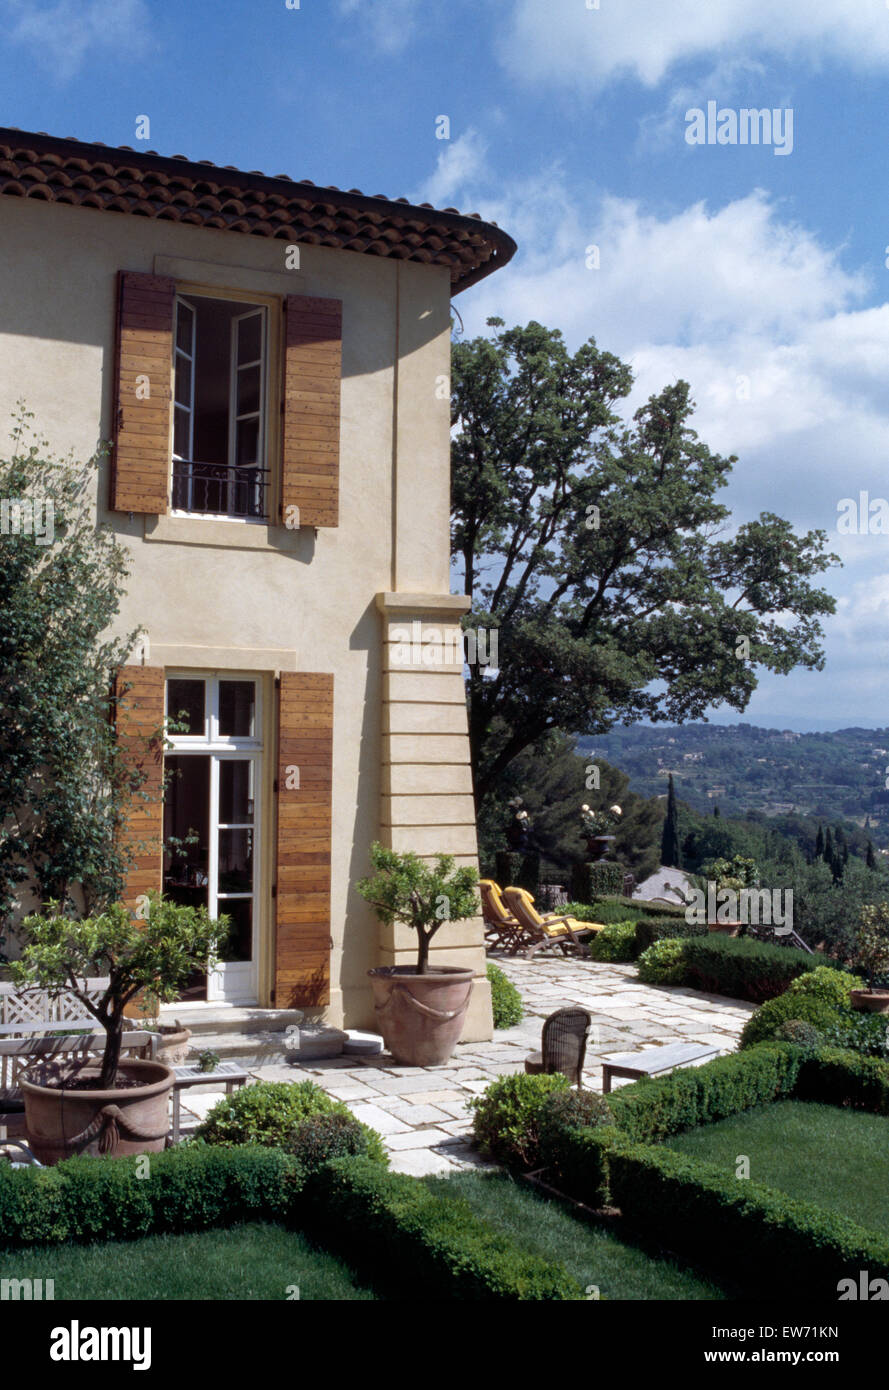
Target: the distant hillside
(744, 768)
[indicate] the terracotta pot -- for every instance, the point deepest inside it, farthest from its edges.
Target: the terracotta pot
(421, 1016)
(62, 1122)
(173, 1047)
(874, 1001)
(598, 846)
(725, 928)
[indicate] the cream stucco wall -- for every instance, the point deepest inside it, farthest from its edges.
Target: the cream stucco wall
(233, 595)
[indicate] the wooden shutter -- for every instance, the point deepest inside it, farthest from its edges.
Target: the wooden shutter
(142, 439)
(139, 691)
(311, 406)
(305, 772)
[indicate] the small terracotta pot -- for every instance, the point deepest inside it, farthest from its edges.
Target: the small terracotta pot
(421, 1016)
(60, 1122)
(874, 1001)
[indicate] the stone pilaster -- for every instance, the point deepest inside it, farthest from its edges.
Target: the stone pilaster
(427, 801)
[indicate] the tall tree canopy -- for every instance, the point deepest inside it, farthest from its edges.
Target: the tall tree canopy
(598, 550)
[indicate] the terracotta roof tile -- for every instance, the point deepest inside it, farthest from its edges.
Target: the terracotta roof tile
(146, 184)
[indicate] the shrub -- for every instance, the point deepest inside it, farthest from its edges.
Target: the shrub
(833, 986)
(663, 963)
(743, 968)
(836, 1076)
(568, 1111)
(616, 942)
(661, 928)
(597, 880)
(800, 1033)
(506, 1002)
(766, 1242)
(425, 1243)
(856, 1032)
(650, 1109)
(769, 1017)
(269, 1113)
(188, 1188)
(321, 1138)
(506, 1118)
(604, 910)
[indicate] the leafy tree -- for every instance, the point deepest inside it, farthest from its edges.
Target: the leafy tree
(593, 547)
(158, 954)
(62, 777)
(405, 889)
(553, 781)
(671, 856)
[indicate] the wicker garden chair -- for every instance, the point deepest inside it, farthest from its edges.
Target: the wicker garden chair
(563, 1045)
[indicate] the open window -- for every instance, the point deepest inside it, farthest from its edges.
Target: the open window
(220, 408)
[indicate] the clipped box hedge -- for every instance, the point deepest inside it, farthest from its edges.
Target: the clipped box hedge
(186, 1189)
(744, 968)
(764, 1242)
(760, 1239)
(650, 929)
(421, 1243)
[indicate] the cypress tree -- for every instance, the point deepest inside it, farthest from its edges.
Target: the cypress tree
(871, 859)
(827, 853)
(716, 811)
(819, 844)
(671, 857)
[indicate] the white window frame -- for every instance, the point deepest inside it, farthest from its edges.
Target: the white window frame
(234, 982)
(255, 309)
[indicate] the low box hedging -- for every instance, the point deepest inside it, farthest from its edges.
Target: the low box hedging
(655, 1107)
(425, 1245)
(615, 942)
(743, 968)
(651, 929)
(765, 1242)
(186, 1189)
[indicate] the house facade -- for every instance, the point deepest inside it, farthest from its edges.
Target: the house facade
(270, 363)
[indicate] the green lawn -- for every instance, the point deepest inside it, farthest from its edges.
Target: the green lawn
(253, 1261)
(837, 1158)
(591, 1253)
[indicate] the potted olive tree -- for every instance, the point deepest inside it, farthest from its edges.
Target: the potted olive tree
(115, 1107)
(420, 1008)
(872, 958)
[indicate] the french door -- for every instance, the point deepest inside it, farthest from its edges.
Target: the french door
(212, 819)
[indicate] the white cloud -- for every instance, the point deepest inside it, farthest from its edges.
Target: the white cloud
(461, 164)
(61, 37)
(389, 24)
(785, 351)
(563, 41)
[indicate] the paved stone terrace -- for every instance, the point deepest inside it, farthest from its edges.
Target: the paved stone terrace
(422, 1114)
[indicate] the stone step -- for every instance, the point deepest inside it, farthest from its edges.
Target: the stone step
(262, 1047)
(227, 1018)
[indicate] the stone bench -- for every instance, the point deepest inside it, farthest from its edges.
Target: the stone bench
(654, 1061)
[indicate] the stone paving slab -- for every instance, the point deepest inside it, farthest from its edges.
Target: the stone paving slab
(422, 1115)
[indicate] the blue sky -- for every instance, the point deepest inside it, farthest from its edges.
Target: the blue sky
(760, 278)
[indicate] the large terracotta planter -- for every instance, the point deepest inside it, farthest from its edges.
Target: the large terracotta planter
(874, 1001)
(421, 1016)
(116, 1123)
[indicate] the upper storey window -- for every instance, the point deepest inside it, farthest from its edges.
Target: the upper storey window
(220, 408)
